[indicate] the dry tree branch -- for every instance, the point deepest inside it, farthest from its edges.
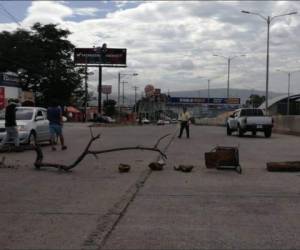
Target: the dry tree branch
(39, 158)
(159, 140)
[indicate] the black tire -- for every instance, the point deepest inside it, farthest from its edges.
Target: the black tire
(240, 131)
(268, 132)
(31, 138)
(254, 133)
(229, 132)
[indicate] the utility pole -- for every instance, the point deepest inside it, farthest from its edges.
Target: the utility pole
(100, 91)
(123, 95)
(135, 89)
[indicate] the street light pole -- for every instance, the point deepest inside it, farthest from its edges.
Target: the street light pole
(229, 59)
(228, 76)
(119, 83)
(267, 63)
(268, 20)
(123, 92)
(288, 100)
(289, 73)
(208, 85)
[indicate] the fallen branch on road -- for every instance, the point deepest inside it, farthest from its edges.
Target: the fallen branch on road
(39, 158)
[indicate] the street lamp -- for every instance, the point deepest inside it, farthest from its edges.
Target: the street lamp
(119, 82)
(289, 82)
(268, 19)
(229, 59)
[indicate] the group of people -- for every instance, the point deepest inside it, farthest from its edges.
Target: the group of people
(54, 115)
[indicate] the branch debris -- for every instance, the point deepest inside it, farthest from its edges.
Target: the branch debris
(39, 154)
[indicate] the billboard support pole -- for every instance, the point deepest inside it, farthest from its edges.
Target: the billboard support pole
(99, 90)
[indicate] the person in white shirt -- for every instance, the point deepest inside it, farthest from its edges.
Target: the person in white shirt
(184, 118)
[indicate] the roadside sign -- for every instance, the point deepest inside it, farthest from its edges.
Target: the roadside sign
(106, 89)
(2, 97)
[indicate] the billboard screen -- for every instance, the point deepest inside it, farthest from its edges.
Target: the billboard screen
(100, 56)
(199, 100)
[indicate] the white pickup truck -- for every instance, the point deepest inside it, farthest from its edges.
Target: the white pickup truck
(249, 119)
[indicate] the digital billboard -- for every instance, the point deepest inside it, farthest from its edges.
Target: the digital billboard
(100, 56)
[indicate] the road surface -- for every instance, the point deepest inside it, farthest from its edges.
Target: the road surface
(96, 207)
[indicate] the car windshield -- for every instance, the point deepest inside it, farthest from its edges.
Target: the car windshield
(21, 114)
(251, 112)
(24, 114)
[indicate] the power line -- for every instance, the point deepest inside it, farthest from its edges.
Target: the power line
(10, 15)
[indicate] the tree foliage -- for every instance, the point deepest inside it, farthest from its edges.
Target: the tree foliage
(109, 107)
(43, 58)
(255, 101)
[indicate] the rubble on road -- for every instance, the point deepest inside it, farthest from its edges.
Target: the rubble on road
(287, 166)
(124, 168)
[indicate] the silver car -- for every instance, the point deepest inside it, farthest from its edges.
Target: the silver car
(32, 124)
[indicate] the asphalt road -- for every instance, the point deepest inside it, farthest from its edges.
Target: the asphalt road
(96, 207)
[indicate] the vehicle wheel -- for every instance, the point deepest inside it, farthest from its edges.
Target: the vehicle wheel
(254, 133)
(228, 130)
(240, 131)
(31, 138)
(268, 132)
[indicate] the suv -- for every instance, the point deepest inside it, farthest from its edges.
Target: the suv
(32, 124)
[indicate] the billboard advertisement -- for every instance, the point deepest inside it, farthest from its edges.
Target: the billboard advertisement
(199, 100)
(106, 89)
(100, 56)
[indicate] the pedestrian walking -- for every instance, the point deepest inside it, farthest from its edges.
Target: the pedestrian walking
(54, 115)
(11, 124)
(184, 118)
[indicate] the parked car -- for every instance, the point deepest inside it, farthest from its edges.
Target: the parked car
(145, 121)
(103, 119)
(160, 122)
(32, 124)
(253, 120)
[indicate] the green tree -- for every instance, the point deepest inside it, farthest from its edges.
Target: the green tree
(109, 107)
(255, 101)
(42, 56)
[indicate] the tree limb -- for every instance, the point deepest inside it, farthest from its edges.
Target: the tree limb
(39, 154)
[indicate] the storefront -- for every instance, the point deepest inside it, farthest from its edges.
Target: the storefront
(9, 88)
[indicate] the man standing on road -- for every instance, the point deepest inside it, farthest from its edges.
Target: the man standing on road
(54, 115)
(11, 124)
(184, 118)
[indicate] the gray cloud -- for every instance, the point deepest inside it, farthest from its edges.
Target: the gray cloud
(171, 43)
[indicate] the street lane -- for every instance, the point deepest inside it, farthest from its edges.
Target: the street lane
(95, 207)
(213, 209)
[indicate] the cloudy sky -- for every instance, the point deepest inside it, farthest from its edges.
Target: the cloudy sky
(171, 44)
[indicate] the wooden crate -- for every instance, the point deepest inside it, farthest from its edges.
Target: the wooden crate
(222, 156)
